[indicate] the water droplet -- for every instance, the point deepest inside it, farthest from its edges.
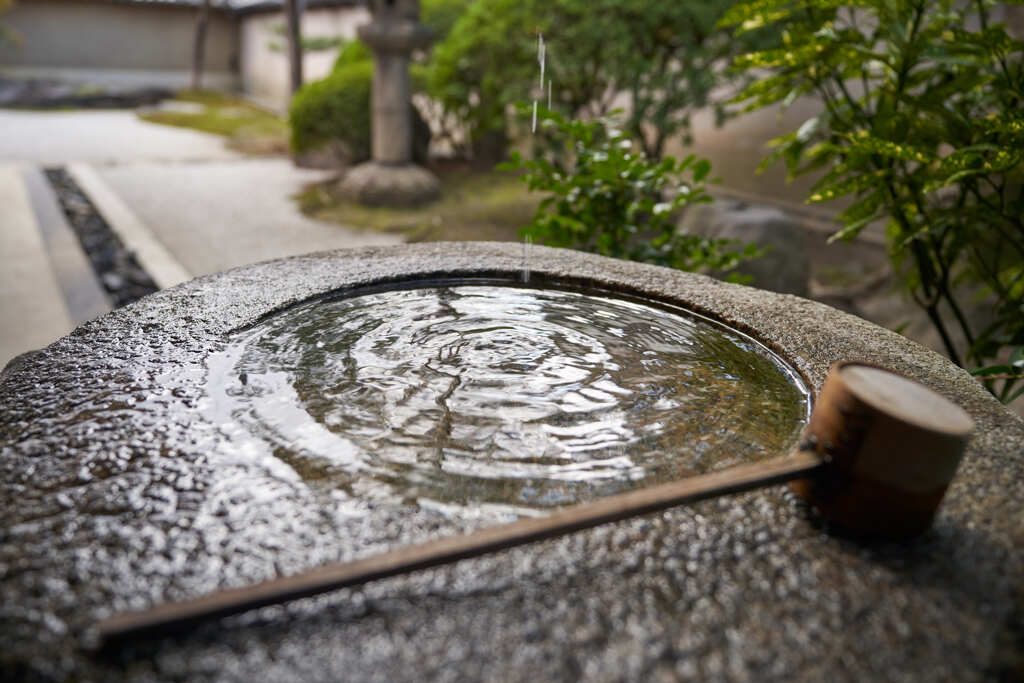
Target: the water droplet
(527, 241)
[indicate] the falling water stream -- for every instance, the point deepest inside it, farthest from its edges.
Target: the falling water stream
(485, 394)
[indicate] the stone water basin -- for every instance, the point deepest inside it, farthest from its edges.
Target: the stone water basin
(130, 474)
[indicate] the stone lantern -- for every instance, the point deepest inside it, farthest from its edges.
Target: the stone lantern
(391, 178)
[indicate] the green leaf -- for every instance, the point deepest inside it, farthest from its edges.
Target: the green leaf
(867, 207)
(808, 128)
(862, 141)
(745, 12)
(850, 231)
(922, 124)
(1011, 122)
(701, 169)
(992, 370)
(854, 184)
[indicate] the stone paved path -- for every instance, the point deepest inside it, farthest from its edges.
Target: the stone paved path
(32, 310)
(221, 214)
(183, 200)
(100, 137)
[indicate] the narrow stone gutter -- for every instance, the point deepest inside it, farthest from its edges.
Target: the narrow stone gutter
(116, 267)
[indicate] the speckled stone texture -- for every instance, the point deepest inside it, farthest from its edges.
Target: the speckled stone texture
(118, 490)
(377, 184)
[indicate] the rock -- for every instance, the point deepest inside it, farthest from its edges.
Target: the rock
(334, 155)
(747, 587)
(376, 184)
(786, 265)
(136, 275)
(19, 362)
(112, 281)
(52, 93)
(116, 267)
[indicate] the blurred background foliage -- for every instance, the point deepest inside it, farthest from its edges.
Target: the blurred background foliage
(6, 34)
(922, 125)
(607, 197)
(658, 61)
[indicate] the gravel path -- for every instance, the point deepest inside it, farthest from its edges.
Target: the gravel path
(52, 138)
(221, 214)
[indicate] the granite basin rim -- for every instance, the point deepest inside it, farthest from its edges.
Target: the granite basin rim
(946, 603)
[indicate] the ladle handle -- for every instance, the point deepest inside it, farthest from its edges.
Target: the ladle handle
(176, 617)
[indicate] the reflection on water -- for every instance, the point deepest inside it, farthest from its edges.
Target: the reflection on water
(509, 398)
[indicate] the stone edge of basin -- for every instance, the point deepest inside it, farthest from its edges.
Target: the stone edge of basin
(807, 334)
(985, 502)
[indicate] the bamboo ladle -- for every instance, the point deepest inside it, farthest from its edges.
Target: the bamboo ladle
(875, 460)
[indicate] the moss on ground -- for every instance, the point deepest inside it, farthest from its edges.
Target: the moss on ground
(474, 205)
(247, 127)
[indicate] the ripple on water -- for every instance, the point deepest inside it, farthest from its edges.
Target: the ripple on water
(470, 395)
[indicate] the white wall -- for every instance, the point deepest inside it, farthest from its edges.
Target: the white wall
(264, 71)
(111, 44)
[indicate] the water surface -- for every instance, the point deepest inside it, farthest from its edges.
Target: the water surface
(506, 397)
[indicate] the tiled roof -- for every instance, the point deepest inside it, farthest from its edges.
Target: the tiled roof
(242, 5)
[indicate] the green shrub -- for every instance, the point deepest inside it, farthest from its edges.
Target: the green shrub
(353, 52)
(607, 198)
(666, 57)
(440, 15)
(922, 125)
(357, 52)
(6, 34)
(437, 15)
(485, 65)
(335, 108)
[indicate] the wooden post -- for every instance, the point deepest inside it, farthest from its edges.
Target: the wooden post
(293, 22)
(199, 44)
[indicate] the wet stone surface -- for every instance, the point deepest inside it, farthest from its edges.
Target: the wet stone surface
(119, 489)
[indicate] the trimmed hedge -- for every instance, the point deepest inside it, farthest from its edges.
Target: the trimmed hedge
(334, 112)
(334, 109)
(354, 52)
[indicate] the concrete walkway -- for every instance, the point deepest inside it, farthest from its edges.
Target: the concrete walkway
(185, 204)
(221, 214)
(32, 308)
(83, 295)
(52, 138)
